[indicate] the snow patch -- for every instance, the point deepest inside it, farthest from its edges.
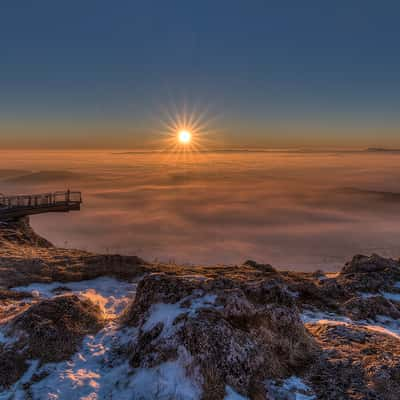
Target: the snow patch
(366, 295)
(166, 381)
(167, 313)
(201, 302)
(6, 340)
(292, 293)
(96, 374)
(110, 294)
(92, 373)
(309, 316)
(383, 324)
(292, 388)
(17, 392)
(391, 296)
(232, 395)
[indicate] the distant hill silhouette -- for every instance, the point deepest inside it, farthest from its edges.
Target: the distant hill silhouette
(381, 149)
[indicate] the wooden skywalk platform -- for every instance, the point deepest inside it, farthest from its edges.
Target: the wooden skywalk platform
(13, 207)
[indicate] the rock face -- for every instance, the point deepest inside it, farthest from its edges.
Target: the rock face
(20, 232)
(236, 334)
(25, 257)
(369, 274)
(49, 331)
(242, 333)
(245, 330)
(374, 263)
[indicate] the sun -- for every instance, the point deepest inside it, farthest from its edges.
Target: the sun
(184, 136)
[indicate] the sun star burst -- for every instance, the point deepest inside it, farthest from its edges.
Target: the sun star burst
(185, 133)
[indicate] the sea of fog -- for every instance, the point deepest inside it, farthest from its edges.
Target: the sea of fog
(295, 210)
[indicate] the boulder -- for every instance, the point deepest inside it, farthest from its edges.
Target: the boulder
(369, 274)
(48, 331)
(362, 308)
(235, 334)
(52, 329)
(373, 263)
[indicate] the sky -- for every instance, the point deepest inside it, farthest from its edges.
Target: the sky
(101, 74)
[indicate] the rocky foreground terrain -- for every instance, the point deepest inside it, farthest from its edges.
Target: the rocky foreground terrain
(76, 325)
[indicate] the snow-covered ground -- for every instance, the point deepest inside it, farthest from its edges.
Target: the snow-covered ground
(96, 372)
(110, 294)
(99, 370)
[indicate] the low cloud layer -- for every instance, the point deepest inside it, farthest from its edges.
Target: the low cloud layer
(294, 210)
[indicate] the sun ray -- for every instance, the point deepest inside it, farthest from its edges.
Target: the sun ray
(186, 133)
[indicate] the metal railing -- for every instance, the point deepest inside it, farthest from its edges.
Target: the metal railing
(40, 200)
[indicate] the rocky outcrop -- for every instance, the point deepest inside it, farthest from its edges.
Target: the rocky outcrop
(369, 274)
(352, 288)
(237, 334)
(51, 329)
(25, 257)
(355, 363)
(67, 266)
(365, 308)
(374, 263)
(325, 294)
(48, 331)
(245, 333)
(20, 232)
(230, 329)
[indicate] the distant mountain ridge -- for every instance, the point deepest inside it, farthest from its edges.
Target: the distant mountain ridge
(381, 149)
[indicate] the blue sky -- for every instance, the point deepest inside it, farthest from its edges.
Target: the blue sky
(251, 62)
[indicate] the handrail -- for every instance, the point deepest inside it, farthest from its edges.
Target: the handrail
(40, 200)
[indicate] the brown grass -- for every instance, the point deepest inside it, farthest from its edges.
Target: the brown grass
(52, 329)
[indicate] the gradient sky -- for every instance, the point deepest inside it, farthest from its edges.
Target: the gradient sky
(287, 73)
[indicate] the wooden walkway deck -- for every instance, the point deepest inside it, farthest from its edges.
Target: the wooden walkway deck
(13, 207)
